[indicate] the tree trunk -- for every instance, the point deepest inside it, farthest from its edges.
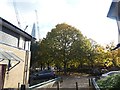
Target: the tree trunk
(65, 68)
(114, 62)
(48, 66)
(41, 66)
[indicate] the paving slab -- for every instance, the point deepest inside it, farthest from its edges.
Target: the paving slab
(73, 82)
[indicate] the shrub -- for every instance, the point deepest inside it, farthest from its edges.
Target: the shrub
(110, 82)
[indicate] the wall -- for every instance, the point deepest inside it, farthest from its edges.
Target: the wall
(17, 74)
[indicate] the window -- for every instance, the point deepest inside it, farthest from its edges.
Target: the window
(8, 37)
(27, 45)
(21, 42)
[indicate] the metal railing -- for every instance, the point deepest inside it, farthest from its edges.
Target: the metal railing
(46, 84)
(94, 84)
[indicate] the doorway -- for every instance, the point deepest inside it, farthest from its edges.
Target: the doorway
(2, 75)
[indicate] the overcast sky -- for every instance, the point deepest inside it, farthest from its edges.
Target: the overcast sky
(89, 16)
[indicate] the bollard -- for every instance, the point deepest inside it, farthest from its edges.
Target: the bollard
(76, 86)
(23, 87)
(58, 85)
(18, 86)
(89, 81)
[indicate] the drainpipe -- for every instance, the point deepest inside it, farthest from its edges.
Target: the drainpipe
(26, 70)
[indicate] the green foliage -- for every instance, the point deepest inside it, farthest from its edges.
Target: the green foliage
(35, 48)
(112, 57)
(110, 82)
(65, 46)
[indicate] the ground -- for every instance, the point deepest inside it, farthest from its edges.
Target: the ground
(70, 82)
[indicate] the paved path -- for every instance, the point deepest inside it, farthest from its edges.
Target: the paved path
(70, 82)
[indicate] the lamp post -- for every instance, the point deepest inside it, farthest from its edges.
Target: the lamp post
(114, 13)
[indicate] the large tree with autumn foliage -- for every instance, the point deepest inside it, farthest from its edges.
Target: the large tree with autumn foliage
(65, 44)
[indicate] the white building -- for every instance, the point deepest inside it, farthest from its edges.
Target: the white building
(14, 55)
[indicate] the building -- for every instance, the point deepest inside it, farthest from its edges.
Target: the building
(14, 55)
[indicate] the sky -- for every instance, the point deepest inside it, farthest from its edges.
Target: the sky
(89, 16)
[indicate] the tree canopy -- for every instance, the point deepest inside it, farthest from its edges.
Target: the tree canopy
(65, 46)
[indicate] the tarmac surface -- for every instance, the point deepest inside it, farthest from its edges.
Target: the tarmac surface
(74, 83)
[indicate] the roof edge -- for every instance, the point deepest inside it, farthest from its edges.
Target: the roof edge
(16, 29)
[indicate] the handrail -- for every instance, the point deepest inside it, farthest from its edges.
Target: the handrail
(95, 84)
(44, 84)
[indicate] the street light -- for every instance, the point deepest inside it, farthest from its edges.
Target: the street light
(114, 13)
(118, 45)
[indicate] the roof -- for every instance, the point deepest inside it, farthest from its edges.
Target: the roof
(16, 29)
(9, 58)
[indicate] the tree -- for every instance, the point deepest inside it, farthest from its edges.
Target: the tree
(112, 55)
(99, 55)
(35, 50)
(46, 54)
(60, 43)
(65, 46)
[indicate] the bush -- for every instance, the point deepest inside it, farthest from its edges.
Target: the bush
(110, 82)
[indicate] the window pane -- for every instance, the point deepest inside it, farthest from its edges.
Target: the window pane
(21, 42)
(8, 39)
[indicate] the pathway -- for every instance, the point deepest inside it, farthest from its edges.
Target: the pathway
(69, 82)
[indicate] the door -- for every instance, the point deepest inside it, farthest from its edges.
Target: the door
(2, 75)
